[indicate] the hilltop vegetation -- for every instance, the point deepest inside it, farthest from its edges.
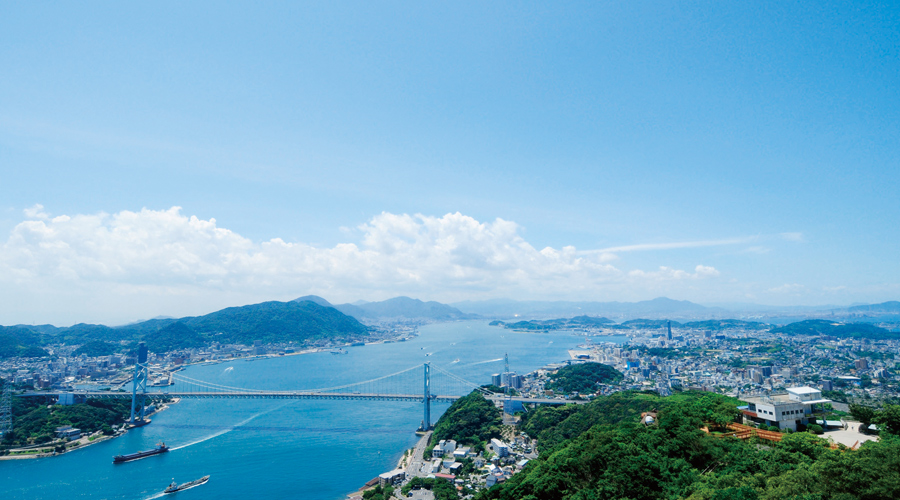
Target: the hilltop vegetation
(835, 329)
(269, 322)
(96, 348)
(36, 422)
(555, 324)
(583, 378)
(175, 336)
(276, 322)
(471, 420)
(17, 341)
(724, 324)
(644, 324)
(601, 450)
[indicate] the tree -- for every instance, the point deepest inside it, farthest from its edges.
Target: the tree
(862, 413)
(888, 419)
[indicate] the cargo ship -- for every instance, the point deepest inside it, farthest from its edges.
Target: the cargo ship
(160, 448)
(174, 487)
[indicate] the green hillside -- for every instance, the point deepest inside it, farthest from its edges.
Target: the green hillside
(269, 322)
(649, 323)
(556, 324)
(724, 324)
(602, 451)
(16, 341)
(471, 420)
(97, 348)
(276, 322)
(174, 336)
(835, 329)
(583, 378)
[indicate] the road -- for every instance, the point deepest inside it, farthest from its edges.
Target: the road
(416, 465)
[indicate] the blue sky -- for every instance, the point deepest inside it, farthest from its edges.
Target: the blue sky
(714, 152)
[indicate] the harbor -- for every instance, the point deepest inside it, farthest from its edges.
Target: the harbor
(337, 446)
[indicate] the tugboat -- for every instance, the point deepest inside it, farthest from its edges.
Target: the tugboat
(175, 487)
(160, 448)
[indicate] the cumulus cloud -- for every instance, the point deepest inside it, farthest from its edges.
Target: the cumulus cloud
(166, 253)
(165, 247)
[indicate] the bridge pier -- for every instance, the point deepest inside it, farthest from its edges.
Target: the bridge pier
(426, 421)
(139, 383)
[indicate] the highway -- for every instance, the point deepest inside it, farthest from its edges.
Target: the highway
(417, 466)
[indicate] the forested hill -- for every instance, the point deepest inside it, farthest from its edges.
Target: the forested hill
(277, 322)
(645, 324)
(18, 341)
(836, 329)
(556, 324)
(602, 450)
(471, 420)
(269, 322)
(583, 378)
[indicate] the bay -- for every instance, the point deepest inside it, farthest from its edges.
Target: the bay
(269, 448)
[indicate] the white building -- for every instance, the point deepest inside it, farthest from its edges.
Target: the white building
(393, 477)
(499, 447)
(444, 447)
(785, 411)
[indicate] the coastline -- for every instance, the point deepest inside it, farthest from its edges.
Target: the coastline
(83, 442)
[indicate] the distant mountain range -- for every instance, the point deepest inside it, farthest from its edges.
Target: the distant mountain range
(395, 309)
(311, 318)
(665, 308)
(269, 322)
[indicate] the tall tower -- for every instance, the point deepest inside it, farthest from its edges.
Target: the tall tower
(669, 328)
(426, 420)
(6, 423)
(139, 383)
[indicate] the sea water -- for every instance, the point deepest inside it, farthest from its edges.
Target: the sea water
(271, 448)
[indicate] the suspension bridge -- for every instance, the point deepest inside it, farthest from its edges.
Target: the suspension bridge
(423, 383)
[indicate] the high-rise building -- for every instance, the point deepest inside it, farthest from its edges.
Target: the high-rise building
(861, 364)
(669, 330)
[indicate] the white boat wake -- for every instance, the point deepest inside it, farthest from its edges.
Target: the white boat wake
(229, 429)
(486, 361)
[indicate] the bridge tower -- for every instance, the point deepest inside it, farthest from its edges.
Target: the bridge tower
(426, 421)
(6, 423)
(139, 383)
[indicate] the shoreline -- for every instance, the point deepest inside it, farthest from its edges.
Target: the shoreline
(82, 443)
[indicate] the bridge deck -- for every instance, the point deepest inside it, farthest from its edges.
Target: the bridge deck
(303, 395)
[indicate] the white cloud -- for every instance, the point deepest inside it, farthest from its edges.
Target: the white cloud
(672, 245)
(35, 212)
(706, 271)
(165, 254)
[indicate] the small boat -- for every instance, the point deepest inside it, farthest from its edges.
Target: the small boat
(175, 487)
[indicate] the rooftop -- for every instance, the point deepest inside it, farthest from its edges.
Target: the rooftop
(803, 390)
